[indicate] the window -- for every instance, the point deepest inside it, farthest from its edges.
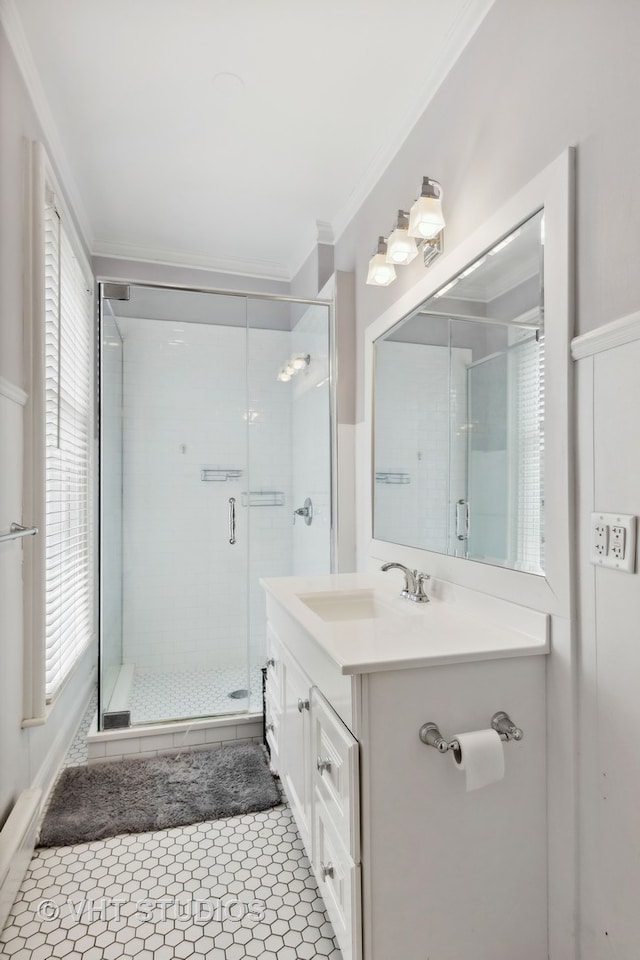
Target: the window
(58, 564)
(68, 573)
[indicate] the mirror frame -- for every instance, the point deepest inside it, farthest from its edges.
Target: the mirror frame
(552, 190)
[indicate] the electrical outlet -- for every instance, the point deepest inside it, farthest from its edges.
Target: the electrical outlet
(618, 542)
(600, 539)
(613, 541)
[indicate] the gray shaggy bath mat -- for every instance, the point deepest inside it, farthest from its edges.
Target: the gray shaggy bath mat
(135, 796)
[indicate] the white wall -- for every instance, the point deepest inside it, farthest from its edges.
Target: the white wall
(533, 80)
(609, 463)
(26, 756)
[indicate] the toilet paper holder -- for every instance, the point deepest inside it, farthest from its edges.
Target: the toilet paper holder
(501, 722)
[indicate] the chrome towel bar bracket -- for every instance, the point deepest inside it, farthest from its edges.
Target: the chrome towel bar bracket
(501, 722)
(16, 530)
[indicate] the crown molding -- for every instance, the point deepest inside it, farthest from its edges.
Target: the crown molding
(17, 38)
(12, 392)
(258, 269)
(459, 36)
(614, 334)
(325, 232)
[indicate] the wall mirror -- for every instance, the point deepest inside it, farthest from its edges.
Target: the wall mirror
(468, 381)
(458, 439)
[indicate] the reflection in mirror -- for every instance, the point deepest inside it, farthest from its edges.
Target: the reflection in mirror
(459, 413)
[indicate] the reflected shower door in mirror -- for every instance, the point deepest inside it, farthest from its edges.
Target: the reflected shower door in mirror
(459, 413)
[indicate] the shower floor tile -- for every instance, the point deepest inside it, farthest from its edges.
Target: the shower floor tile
(160, 696)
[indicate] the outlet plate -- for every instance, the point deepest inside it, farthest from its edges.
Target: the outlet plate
(613, 541)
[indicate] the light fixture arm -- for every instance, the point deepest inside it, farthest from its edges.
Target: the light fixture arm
(431, 188)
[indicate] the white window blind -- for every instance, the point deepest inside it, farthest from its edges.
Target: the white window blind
(528, 404)
(68, 415)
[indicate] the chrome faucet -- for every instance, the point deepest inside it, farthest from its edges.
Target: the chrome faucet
(413, 582)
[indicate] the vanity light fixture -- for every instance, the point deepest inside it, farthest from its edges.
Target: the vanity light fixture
(295, 363)
(425, 218)
(381, 273)
(300, 360)
(401, 248)
(419, 230)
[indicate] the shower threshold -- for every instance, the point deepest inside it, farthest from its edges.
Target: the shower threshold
(158, 738)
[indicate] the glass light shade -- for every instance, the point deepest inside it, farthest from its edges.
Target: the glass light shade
(300, 361)
(284, 377)
(425, 218)
(401, 248)
(381, 273)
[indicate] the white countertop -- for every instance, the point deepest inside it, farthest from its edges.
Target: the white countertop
(412, 634)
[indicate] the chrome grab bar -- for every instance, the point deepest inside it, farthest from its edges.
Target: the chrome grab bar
(16, 531)
(232, 520)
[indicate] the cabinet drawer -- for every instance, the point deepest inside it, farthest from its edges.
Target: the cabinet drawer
(339, 882)
(335, 761)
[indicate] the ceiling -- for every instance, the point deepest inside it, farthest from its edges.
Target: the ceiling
(220, 133)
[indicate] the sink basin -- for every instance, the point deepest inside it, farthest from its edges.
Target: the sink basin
(352, 605)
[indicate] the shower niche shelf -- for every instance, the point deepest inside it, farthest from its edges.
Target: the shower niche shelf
(262, 498)
(219, 474)
(392, 476)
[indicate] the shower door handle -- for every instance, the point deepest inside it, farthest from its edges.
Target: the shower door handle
(232, 520)
(462, 520)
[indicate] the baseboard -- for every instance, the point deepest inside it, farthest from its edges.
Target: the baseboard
(17, 840)
(48, 772)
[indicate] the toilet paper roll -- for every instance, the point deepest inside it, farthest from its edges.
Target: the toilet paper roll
(481, 757)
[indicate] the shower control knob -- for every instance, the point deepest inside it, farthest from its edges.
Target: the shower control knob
(326, 870)
(302, 705)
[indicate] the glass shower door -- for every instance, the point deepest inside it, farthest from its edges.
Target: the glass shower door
(209, 452)
(175, 541)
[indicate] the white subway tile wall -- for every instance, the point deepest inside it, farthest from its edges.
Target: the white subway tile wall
(413, 438)
(186, 409)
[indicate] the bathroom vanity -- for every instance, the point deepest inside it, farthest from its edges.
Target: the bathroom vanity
(410, 864)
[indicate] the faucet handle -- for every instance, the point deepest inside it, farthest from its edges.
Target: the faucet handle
(420, 578)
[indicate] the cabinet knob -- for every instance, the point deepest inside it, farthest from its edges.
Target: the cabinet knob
(326, 870)
(302, 705)
(269, 728)
(323, 765)
(270, 662)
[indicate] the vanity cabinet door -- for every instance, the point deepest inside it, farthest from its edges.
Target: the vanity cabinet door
(336, 771)
(295, 762)
(338, 880)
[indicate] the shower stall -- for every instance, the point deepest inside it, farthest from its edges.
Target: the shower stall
(215, 470)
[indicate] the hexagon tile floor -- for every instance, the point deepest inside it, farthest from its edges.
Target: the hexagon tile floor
(222, 890)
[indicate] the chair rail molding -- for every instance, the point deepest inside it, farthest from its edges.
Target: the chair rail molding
(13, 392)
(609, 335)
